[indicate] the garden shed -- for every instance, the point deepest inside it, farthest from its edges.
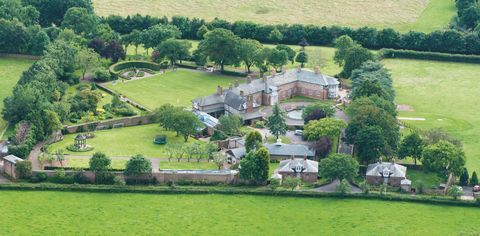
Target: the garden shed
(10, 164)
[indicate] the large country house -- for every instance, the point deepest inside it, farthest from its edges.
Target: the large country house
(246, 99)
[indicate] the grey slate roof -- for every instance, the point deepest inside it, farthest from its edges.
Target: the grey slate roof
(396, 170)
(289, 165)
(12, 159)
(234, 100)
(278, 150)
(297, 150)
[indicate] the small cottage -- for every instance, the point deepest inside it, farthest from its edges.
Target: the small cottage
(387, 173)
(302, 168)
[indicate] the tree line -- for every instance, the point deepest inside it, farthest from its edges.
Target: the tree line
(448, 40)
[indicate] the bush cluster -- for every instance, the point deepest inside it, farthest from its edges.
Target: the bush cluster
(450, 41)
(410, 54)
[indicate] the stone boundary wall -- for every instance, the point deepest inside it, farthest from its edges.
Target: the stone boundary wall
(110, 124)
(163, 177)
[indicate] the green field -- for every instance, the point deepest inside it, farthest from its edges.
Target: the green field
(446, 95)
(124, 142)
(10, 71)
(175, 87)
(403, 14)
(61, 213)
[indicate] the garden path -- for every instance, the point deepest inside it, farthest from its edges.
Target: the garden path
(332, 187)
(34, 154)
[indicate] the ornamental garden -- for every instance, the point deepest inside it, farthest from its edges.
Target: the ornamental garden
(101, 104)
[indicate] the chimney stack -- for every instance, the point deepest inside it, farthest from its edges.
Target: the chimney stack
(219, 90)
(250, 103)
(242, 94)
(317, 70)
(236, 83)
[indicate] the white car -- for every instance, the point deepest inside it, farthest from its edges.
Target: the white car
(299, 132)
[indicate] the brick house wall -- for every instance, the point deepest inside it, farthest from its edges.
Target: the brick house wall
(378, 180)
(306, 177)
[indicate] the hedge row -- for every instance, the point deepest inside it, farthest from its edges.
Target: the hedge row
(434, 200)
(409, 54)
(116, 68)
(449, 41)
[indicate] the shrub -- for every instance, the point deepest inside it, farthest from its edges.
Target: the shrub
(103, 76)
(343, 187)
(21, 151)
(474, 179)
(118, 181)
(124, 111)
(365, 187)
(61, 178)
(130, 74)
(455, 191)
(104, 177)
(73, 148)
(80, 178)
(420, 187)
(291, 182)
(274, 184)
(24, 169)
(40, 177)
(259, 124)
(140, 74)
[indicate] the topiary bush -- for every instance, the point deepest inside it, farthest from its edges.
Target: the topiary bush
(103, 76)
(73, 148)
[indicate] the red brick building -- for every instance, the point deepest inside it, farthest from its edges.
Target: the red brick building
(246, 99)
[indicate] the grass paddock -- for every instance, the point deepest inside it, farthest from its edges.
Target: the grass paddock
(446, 95)
(402, 15)
(141, 214)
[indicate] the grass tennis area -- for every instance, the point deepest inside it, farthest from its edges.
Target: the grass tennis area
(10, 71)
(403, 14)
(175, 87)
(124, 142)
(446, 95)
(59, 213)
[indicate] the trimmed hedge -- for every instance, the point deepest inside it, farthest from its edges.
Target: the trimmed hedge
(437, 56)
(116, 68)
(434, 200)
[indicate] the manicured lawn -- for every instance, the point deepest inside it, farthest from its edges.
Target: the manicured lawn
(119, 164)
(10, 71)
(175, 87)
(404, 15)
(446, 95)
(125, 142)
(193, 165)
(185, 214)
(429, 179)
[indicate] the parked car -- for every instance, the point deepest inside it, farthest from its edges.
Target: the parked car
(476, 188)
(299, 132)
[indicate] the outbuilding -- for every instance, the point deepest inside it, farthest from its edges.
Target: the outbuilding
(302, 168)
(10, 164)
